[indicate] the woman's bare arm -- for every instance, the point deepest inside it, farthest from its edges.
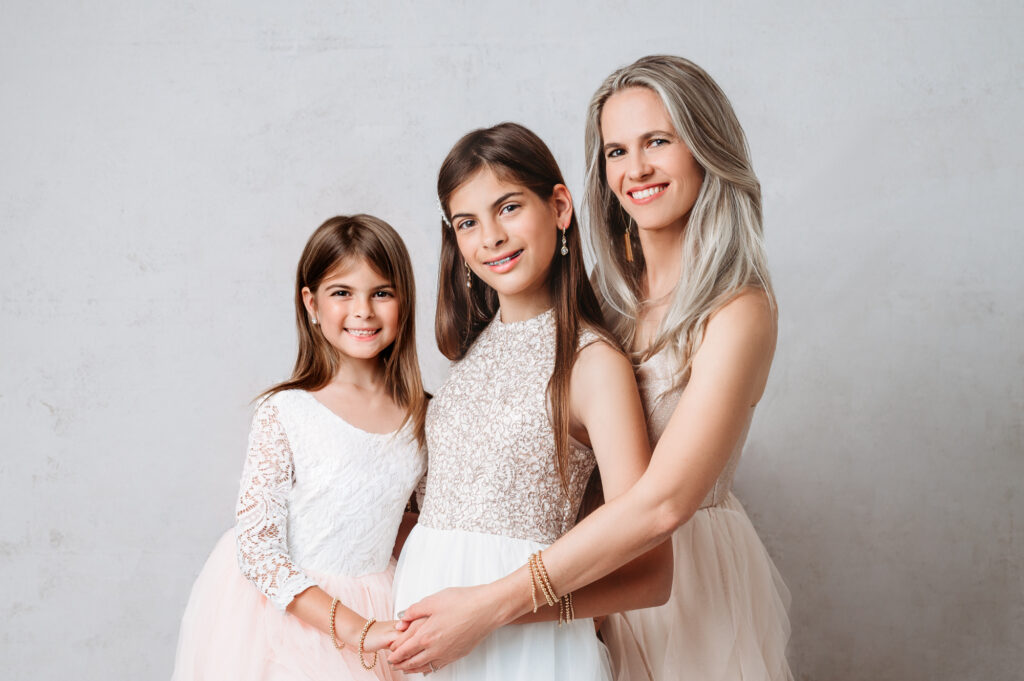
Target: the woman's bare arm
(727, 378)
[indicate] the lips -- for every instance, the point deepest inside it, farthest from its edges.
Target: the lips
(646, 193)
(363, 334)
(505, 262)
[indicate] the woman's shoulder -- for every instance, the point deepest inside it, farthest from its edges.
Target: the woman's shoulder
(751, 313)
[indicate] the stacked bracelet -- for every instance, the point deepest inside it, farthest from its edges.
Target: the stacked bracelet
(362, 642)
(539, 576)
(334, 632)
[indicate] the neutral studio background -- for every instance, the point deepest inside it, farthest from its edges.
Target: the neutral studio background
(161, 165)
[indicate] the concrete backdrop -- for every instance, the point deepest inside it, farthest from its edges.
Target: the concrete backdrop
(163, 163)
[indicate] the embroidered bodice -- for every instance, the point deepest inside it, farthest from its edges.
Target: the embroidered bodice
(319, 493)
(654, 378)
(491, 445)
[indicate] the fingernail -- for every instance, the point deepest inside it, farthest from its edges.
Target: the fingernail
(401, 614)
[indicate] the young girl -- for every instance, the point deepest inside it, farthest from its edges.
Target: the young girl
(676, 226)
(301, 589)
(537, 394)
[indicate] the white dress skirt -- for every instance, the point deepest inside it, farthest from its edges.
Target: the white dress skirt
(493, 497)
(434, 559)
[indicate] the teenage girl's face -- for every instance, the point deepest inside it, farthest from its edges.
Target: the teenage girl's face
(356, 309)
(506, 233)
(647, 165)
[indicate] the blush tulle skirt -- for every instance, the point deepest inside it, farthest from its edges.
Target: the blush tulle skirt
(230, 631)
(727, 617)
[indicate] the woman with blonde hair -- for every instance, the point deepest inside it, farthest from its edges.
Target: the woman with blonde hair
(675, 222)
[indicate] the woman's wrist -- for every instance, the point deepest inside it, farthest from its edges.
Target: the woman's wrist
(510, 596)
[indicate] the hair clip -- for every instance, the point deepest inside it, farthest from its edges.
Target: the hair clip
(440, 209)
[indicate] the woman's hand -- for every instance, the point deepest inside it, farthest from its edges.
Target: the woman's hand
(445, 627)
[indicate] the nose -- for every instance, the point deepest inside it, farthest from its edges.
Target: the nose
(363, 308)
(639, 168)
(492, 234)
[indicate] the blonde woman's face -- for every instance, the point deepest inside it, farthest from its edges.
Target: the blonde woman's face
(647, 166)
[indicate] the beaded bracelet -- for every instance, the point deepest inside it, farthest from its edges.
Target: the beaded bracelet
(545, 581)
(539, 575)
(334, 632)
(362, 642)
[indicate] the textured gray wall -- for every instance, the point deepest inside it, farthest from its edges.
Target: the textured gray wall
(162, 166)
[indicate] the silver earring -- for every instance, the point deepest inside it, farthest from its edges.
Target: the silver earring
(469, 277)
(313, 319)
(565, 248)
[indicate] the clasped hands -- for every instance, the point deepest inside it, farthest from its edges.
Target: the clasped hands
(442, 628)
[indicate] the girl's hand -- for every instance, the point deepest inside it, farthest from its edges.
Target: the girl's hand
(447, 626)
(381, 635)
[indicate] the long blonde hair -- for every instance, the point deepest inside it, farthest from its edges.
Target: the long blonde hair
(723, 244)
(334, 244)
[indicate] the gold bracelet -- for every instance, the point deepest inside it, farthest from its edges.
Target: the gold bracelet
(362, 641)
(566, 611)
(545, 581)
(533, 580)
(334, 633)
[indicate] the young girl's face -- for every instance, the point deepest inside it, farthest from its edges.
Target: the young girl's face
(356, 309)
(647, 165)
(506, 233)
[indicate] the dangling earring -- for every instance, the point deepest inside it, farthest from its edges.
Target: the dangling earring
(565, 248)
(469, 277)
(629, 246)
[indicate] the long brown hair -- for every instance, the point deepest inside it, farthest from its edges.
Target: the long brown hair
(333, 245)
(517, 155)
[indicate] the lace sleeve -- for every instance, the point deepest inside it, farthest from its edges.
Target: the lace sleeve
(262, 512)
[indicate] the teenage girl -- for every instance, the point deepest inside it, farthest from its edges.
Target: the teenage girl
(675, 212)
(538, 394)
(301, 588)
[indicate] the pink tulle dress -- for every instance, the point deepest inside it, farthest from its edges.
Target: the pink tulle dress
(320, 504)
(726, 619)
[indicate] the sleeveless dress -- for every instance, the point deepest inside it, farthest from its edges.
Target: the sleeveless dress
(493, 497)
(726, 618)
(320, 504)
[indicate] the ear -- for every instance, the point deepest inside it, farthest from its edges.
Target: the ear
(561, 202)
(309, 301)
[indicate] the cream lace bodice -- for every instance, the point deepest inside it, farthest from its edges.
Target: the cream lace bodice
(654, 378)
(319, 493)
(491, 444)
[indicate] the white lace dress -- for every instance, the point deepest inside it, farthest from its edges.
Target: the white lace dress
(493, 497)
(320, 504)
